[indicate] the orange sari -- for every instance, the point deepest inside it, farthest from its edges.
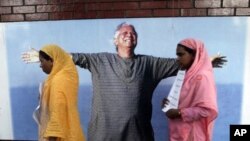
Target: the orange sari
(59, 109)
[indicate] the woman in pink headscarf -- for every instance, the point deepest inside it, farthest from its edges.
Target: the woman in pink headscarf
(197, 109)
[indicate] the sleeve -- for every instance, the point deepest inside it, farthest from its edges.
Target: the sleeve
(164, 67)
(56, 126)
(204, 103)
(194, 113)
(81, 60)
(88, 61)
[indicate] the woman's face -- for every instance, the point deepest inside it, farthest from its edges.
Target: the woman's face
(184, 58)
(46, 65)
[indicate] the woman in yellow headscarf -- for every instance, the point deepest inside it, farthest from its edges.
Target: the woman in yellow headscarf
(59, 116)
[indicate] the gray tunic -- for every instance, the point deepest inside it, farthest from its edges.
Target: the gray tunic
(122, 94)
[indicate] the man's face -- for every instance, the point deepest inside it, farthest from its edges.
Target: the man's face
(126, 38)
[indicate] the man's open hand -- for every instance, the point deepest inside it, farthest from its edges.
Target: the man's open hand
(30, 56)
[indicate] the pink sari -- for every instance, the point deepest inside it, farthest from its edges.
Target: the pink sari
(198, 102)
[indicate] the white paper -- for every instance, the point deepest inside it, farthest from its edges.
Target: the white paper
(174, 93)
(36, 113)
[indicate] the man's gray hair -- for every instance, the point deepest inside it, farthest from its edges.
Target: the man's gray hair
(117, 31)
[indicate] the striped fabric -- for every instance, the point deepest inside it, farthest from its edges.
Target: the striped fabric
(122, 94)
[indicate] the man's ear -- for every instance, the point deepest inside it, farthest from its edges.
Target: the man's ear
(115, 42)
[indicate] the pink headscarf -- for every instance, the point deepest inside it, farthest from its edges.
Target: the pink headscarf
(199, 74)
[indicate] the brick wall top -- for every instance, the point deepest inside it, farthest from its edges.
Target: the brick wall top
(42, 10)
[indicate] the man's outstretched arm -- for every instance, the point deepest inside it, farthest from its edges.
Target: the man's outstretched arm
(32, 56)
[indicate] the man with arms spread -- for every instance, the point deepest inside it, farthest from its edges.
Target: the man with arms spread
(123, 85)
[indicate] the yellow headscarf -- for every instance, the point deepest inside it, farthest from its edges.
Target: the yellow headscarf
(61, 59)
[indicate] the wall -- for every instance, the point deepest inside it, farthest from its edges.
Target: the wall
(50, 10)
(43, 10)
(156, 36)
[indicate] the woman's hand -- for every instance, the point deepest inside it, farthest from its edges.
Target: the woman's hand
(173, 113)
(52, 138)
(164, 103)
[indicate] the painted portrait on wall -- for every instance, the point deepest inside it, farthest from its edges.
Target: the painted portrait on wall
(156, 37)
